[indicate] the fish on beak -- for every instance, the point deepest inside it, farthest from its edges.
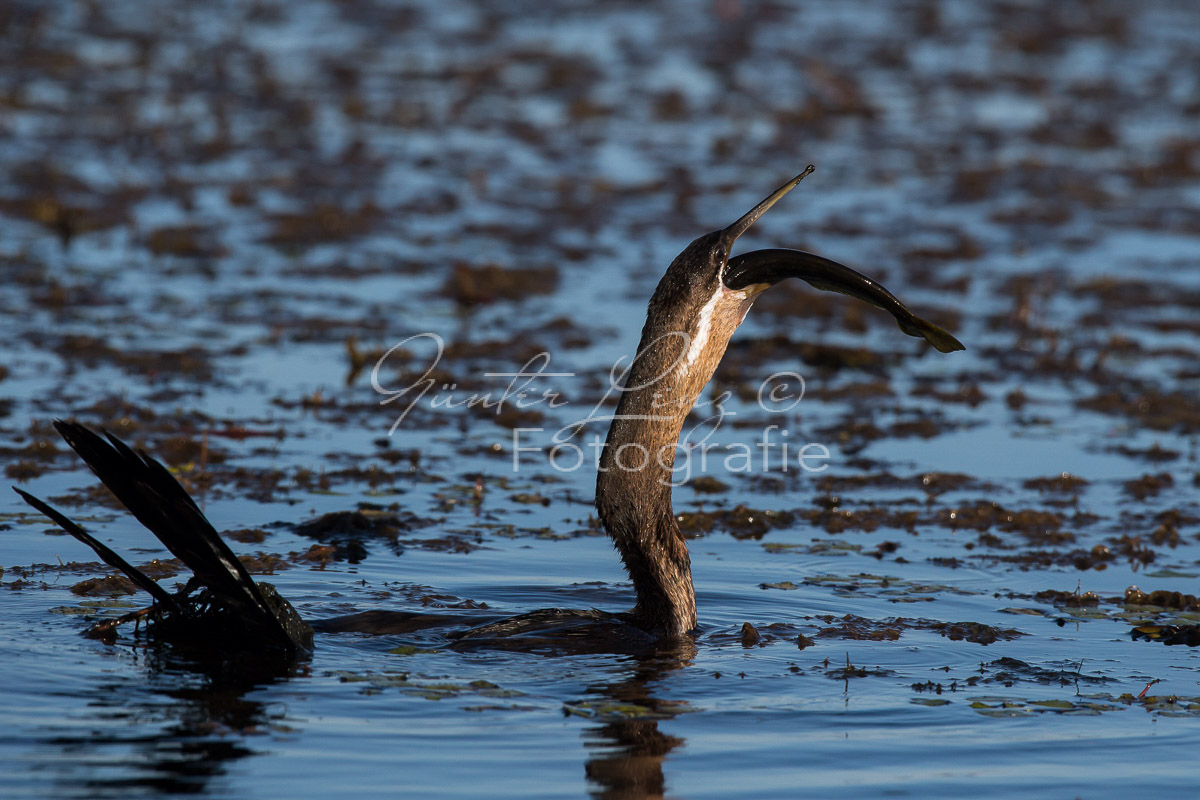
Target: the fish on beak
(759, 270)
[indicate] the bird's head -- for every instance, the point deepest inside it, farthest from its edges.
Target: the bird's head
(705, 293)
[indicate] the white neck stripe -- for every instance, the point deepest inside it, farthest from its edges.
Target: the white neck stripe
(703, 326)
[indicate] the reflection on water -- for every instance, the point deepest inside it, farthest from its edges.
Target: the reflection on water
(626, 753)
(174, 728)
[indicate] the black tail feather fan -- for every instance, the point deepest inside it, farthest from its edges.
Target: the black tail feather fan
(160, 595)
(230, 599)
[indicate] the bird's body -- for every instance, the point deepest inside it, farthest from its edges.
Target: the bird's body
(695, 309)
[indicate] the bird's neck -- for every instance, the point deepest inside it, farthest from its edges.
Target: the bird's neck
(633, 488)
(634, 503)
(661, 572)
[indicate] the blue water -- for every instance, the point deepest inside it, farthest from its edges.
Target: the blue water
(249, 186)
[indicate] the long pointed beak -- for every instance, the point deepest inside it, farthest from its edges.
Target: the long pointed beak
(730, 234)
(762, 269)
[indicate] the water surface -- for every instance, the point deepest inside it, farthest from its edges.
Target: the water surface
(203, 204)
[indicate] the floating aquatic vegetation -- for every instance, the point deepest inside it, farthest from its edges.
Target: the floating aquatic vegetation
(1168, 634)
(110, 586)
(854, 627)
(832, 547)
(1085, 705)
(891, 586)
(741, 522)
(612, 710)
(352, 532)
(850, 671)
(470, 285)
(427, 688)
